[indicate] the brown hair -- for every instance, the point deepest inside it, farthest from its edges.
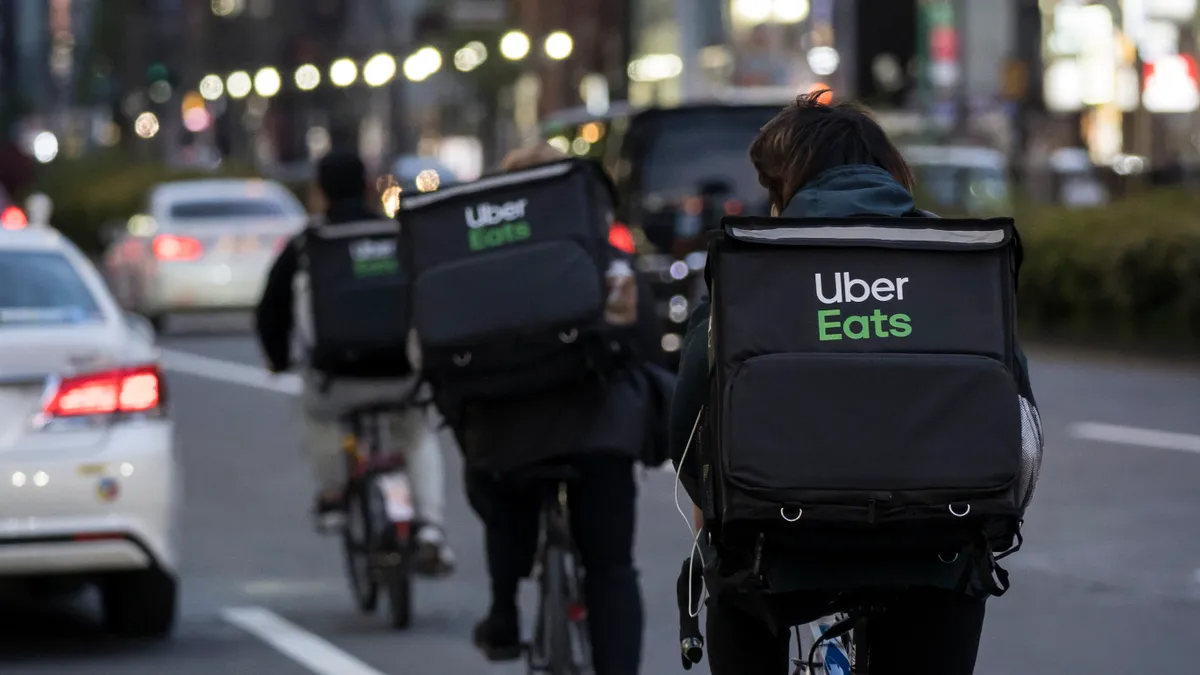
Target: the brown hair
(808, 137)
(530, 156)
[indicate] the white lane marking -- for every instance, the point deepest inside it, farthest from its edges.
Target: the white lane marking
(231, 372)
(296, 643)
(1149, 438)
(273, 588)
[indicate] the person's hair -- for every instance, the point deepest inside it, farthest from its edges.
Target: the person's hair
(341, 175)
(809, 137)
(530, 156)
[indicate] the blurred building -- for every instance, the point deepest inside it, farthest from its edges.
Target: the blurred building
(1120, 78)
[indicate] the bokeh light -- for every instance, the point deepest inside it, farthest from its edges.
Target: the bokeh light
(422, 63)
(238, 84)
(146, 125)
(380, 70)
(211, 87)
(267, 82)
(559, 45)
(514, 46)
(45, 147)
(308, 77)
(470, 56)
(428, 180)
(343, 73)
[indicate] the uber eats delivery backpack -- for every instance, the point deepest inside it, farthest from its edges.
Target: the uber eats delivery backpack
(508, 283)
(359, 295)
(865, 396)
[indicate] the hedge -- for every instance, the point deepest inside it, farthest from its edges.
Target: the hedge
(1129, 270)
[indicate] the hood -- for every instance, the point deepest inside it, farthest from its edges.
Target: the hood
(855, 190)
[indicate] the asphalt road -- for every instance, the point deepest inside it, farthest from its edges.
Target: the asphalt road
(1109, 581)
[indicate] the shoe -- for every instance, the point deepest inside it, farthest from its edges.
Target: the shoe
(329, 514)
(499, 635)
(434, 557)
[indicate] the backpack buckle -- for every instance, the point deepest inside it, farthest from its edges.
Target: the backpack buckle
(956, 514)
(783, 514)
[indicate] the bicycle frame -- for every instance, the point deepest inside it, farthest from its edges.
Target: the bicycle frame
(560, 645)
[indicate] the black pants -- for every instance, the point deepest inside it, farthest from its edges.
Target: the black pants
(927, 631)
(603, 513)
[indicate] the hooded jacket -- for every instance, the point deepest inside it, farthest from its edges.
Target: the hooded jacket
(839, 192)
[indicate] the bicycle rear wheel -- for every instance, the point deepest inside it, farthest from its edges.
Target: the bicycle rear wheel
(358, 545)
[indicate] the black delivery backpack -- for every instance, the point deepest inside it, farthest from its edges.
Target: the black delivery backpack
(508, 284)
(864, 393)
(359, 294)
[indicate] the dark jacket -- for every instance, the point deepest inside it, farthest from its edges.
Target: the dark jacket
(274, 317)
(614, 416)
(840, 192)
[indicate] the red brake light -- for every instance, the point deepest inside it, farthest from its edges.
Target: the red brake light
(621, 238)
(733, 207)
(173, 247)
(13, 218)
(125, 390)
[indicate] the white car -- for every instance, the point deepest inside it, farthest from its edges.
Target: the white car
(89, 481)
(202, 246)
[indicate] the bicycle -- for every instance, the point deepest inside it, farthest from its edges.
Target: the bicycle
(560, 644)
(838, 646)
(833, 645)
(378, 539)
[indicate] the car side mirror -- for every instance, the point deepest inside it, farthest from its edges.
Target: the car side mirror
(140, 325)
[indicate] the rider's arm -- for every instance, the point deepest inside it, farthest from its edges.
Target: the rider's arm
(691, 392)
(273, 318)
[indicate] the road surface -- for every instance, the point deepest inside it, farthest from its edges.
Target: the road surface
(1109, 580)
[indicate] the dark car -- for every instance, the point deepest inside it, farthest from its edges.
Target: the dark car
(677, 171)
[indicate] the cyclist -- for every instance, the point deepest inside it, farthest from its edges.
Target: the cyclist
(340, 193)
(602, 429)
(818, 160)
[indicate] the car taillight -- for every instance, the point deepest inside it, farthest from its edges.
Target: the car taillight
(125, 390)
(621, 238)
(13, 218)
(173, 247)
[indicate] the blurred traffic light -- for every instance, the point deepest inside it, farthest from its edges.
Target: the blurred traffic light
(160, 82)
(157, 72)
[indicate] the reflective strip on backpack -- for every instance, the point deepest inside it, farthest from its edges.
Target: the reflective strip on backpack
(547, 171)
(871, 233)
(365, 228)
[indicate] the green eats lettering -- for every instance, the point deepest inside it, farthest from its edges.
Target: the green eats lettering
(374, 257)
(832, 324)
(492, 225)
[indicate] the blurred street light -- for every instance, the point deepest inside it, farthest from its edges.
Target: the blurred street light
(558, 45)
(45, 147)
(343, 73)
(823, 60)
(471, 56)
(267, 82)
(380, 69)
(227, 7)
(777, 11)
(238, 84)
(146, 125)
(514, 46)
(308, 77)
(211, 87)
(422, 63)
